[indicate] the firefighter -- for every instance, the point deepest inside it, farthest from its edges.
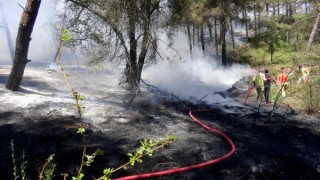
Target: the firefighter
(267, 85)
(304, 73)
(282, 82)
(258, 81)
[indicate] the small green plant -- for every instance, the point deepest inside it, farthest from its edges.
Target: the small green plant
(147, 148)
(47, 171)
(23, 164)
(15, 176)
(311, 96)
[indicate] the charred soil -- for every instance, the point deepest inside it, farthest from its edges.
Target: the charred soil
(285, 148)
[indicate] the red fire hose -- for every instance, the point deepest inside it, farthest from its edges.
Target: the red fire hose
(187, 168)
(248, 93)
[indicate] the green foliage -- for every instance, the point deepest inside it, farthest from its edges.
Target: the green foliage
(81, 131)
(65, 35)
(15, 176)
(273, 36)
(47, 171)
(300, 96)
(79, 177)
(23, 164)
(248, 55)
(78, 96)
(147, 148)
(90, 158)
(311, 95)
(107, 173)
(170, 137)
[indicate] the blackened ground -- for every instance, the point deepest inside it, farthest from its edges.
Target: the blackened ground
(41, 120)
(277, 149)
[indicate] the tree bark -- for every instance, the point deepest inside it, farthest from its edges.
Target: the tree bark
(259, 18)
(232, 34)
(131, 67)
(223, 30)
(255, 17)
(287, 9)
(189, 38)
(278, 8)
(306, 6)
(144, 46)
(273, 9)
(313, 32)
(27, 22)
(246, 23)
(216, 36)
(193, 35)
(210, 29)
(202, 38)
(267, 7)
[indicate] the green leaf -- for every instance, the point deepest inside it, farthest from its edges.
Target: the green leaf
(81, 131)
(98, 152)
(76, 94)
(170, 138)
(107, 173)
(90, 160)
(65, 36)
(81, 97)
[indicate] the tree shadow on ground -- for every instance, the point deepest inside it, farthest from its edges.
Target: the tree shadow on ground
(3, 78)
(39, 138)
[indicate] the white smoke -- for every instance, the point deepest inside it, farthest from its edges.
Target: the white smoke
(194, 77)
(43, 45)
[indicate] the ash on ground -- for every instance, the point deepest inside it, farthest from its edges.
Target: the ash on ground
(41, 120)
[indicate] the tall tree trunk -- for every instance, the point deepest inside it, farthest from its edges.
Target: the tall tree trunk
(144, 46)
(278, 8)
(193, 35)
(131, 67)
(189, 38)
(306, 6)
(7, 30)
(198, 34)
(246, 23)
(313, 32)
(27, 22)
(202, 38)
(223, 29)
(286, 9)
(291, 10)
(259, 18)
(255, 17)
(267, 7)
(232, 34)
(216, 36)
(210, 29)
(273, 9)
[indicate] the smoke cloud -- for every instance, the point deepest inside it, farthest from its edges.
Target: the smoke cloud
(43, 45)
(185, 76)
(193, 78)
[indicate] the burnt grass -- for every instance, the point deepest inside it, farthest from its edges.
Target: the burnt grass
(276, 149)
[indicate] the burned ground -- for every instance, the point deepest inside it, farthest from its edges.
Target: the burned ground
(287, 147)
